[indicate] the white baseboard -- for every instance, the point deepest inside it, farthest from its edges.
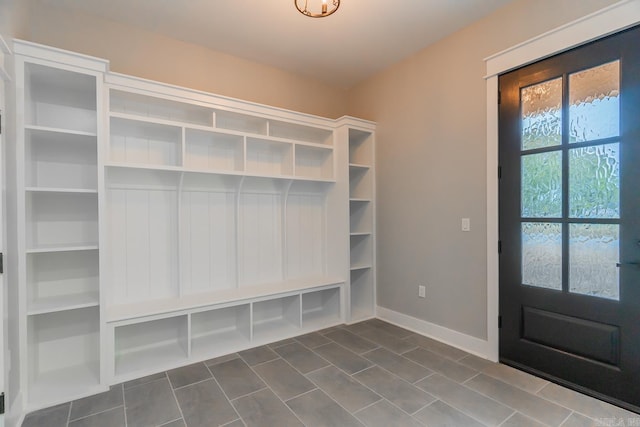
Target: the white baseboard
(468, 343)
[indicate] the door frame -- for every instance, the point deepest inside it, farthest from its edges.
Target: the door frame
(5, 80)
(610, 20)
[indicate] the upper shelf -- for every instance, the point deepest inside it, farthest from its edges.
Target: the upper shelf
(197, 114)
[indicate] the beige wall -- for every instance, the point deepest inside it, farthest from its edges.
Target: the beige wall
(13, 18)
(431, 114)
(152, 56)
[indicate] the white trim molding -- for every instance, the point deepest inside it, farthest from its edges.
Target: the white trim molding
(448, 336)
(5, 51)
(617, 17)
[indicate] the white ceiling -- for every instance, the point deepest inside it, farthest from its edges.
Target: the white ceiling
(361, 38)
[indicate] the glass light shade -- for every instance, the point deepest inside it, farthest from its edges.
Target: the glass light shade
(317, 8)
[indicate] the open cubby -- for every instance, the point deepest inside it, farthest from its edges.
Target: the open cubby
(60, 99)
(60, 160)
(62, 280)
(241, 122)
(151, 346)
(275, 318)
(320, 308)
(361, 216)
(260, 222)
(299, 132)
(208, 232)
(63, 354)
(361, 251)
(142, 233)
(220, 331)
(159, 108)
(360, 147)
(305, 230)
(57, 220)
(360, 183)
(141, 142)
(313, 162)
(267, 157)
(215, 151)
(362, 294)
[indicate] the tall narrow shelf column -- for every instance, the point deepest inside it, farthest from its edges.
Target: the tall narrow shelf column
(58, 133)
(360, 136)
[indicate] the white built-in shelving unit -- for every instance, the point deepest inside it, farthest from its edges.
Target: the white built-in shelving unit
(56, 186)
(159, 226)
(362, 223)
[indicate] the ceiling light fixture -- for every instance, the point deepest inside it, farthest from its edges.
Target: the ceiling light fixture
(325, 10)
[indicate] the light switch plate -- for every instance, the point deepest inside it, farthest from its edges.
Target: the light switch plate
(466, 224)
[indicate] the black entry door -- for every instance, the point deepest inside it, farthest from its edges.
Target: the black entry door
(570, 218)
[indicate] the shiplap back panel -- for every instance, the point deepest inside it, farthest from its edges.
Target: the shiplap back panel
(143, 235)
(260, 239)
(305, 235)
(208, 241)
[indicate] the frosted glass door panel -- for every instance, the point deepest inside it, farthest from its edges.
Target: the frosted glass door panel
(542, 255)
(542, 185)
(260, 240)
(594, 103)
(305, 235)
(61, 160)
(208, 241)
(143, 244)
(593, 254)
(594, 181)
(541, 114)
(61, 219)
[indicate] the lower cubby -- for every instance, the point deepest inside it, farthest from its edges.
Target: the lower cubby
(275, 318)
(320, 308)
(220, 330)
(63, 355)
(144, 346)
(152, 345)
(362, 294)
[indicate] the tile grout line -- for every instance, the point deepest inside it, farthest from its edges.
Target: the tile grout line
(173, 392)
(124, 404)
(278, 397)
(224, 393)
(95, 413)
(69, 413)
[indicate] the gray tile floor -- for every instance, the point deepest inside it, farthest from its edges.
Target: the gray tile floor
(371, 373)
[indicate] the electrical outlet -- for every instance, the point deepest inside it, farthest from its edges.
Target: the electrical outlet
(422, 291)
